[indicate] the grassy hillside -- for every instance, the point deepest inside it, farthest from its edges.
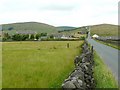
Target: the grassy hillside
(64, 28)
(104, 30)
(29, 26)
(38, 64)
(75, 31)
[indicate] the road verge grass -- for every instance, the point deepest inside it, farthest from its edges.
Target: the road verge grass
(109, 44)
(103, 76)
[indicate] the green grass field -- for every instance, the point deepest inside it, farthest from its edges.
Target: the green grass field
(103, 76)
(38, 64)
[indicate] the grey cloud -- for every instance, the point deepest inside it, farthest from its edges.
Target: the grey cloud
(58, 8)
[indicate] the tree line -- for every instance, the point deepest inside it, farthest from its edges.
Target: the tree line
(22, 37)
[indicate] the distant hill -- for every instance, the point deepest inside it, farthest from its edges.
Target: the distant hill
(75, 32)
(104, 30)
(64, 28)
(29, 26)
(100, 29)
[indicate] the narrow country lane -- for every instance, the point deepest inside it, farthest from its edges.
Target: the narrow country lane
(108, 54)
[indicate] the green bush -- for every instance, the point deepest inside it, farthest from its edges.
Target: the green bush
(5, 36)
(82, 38)
(20, 37)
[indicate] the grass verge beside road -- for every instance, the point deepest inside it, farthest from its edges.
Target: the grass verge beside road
(109, 44)
(103, 76)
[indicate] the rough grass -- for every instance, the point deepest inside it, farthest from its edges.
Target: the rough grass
(103, 76)
(109, 44)
(104, 30)
(38, 64)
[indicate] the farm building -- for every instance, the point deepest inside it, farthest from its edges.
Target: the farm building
(95, 36)
(44, 37)
(25, 32)
(57, 36)
(66, 36)
(82, 32)
(61, 36)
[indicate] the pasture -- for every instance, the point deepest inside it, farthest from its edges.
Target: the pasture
(42, 64)
(104, 30)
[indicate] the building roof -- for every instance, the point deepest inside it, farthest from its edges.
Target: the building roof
(95, 35)
(25, 32)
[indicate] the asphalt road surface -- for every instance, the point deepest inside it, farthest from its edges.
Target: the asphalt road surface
(108, 54)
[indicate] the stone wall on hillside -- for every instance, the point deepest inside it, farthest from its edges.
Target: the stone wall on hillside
(82, 76)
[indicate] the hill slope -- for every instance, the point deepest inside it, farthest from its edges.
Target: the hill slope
(29, 26)
(75, 30)
(64, 28)
(104, 30)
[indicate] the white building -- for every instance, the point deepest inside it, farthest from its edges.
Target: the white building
(64, 37)
(95, 36)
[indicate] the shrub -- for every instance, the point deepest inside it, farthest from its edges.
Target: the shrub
(20, 37)
(82, 38)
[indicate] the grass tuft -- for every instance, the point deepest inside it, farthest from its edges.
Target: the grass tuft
(103, 76)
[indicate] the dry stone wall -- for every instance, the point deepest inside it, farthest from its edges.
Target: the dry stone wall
(81, 77)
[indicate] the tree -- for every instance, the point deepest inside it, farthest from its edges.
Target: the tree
(82, 37)
(6, 36)
(10, 28)
(24, 37)
(16, 37)
(20, 37)
(37, 36)
(51, 36)
(43, 34)
(32, 36)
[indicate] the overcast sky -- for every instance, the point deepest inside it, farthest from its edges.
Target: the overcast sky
(59, 12)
